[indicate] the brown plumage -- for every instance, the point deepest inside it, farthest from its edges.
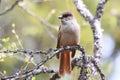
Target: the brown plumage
(68, 35)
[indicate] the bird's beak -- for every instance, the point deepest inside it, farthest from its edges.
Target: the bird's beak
(59, 17)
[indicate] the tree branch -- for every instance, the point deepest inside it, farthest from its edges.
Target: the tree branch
(97, 32)
(81, 7)
(25, 74)
(38, 69)
(95, 24)
(98, 69)
(42, 21)
(10, 8)
(99, 9)
(83, 61)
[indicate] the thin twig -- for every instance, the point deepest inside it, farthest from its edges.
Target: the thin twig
(10, 8)
(42, 21)
(99, 9)
(37, 69)
(98, 69)
(23, 75)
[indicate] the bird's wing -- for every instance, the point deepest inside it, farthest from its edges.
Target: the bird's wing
(58, 41)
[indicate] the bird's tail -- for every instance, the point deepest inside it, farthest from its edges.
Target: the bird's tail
(65, 63)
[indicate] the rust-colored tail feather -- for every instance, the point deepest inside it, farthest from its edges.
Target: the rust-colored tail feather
(65, 63)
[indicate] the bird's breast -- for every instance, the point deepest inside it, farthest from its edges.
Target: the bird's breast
(70, 35)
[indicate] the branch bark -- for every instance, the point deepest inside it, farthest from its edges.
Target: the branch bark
(95, 24)
(10, 8)
(22, 74)
(83, 62)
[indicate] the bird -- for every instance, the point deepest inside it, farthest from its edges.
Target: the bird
(68, 35)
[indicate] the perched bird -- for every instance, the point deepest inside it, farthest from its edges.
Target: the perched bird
(68, 35)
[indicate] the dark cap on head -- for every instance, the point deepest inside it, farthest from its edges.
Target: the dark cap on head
(65, 15)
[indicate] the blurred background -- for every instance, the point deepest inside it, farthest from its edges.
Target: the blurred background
(33, 25)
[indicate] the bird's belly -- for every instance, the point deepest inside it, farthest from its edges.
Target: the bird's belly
(69, 39)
